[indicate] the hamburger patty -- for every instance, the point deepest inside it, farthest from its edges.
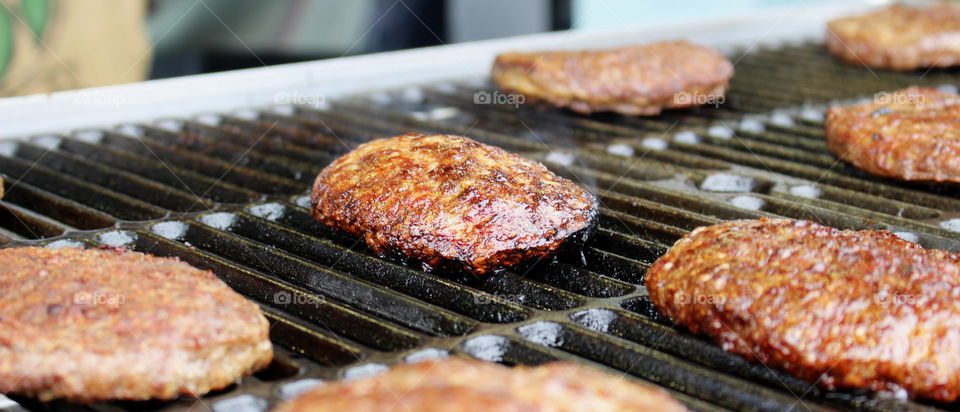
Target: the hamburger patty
(457, 384)
(635, 80)
(92, 325)
(910, 134)
(898, 37)
(842, 308)
(448, 200)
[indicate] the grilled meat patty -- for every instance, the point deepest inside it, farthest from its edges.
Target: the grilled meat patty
(92, 325)
(457, 384)
(899, 37)
(635, 80)
(910, 134)
(448, 200)
(842, 308)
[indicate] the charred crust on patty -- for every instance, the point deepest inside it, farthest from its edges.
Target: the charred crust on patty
(845, 309)
(470, 385)
(449, 201)
(899, 37)
(907, 135)
(634, 80)
(89, 325)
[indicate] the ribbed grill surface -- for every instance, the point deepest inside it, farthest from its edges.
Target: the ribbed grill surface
(229, 193)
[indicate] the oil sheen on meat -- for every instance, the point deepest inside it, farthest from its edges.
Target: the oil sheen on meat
(909, 134)
(634, 80)
(100, 324)
(449, 201)
(899, 37)
(463, 385)
(842, 308)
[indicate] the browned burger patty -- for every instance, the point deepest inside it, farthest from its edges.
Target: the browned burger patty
(466, 385)
(636, 80)
(92, 325)
(911, 134)
(446, 199)
(844, 309)
(899, 37)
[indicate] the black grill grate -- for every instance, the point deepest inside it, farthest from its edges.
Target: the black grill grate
(228, 193)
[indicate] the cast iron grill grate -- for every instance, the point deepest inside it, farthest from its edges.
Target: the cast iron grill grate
(228, 193)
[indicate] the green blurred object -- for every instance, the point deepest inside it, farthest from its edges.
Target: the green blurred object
(36, 13)
(6, 40)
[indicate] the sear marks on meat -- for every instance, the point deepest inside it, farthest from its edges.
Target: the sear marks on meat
(899, 37)
(635, 80)
(94, 325)
(457, 384)
(910, 134)
(842, 308)
(446, 200)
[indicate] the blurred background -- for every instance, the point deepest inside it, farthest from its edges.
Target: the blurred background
(49, 45)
